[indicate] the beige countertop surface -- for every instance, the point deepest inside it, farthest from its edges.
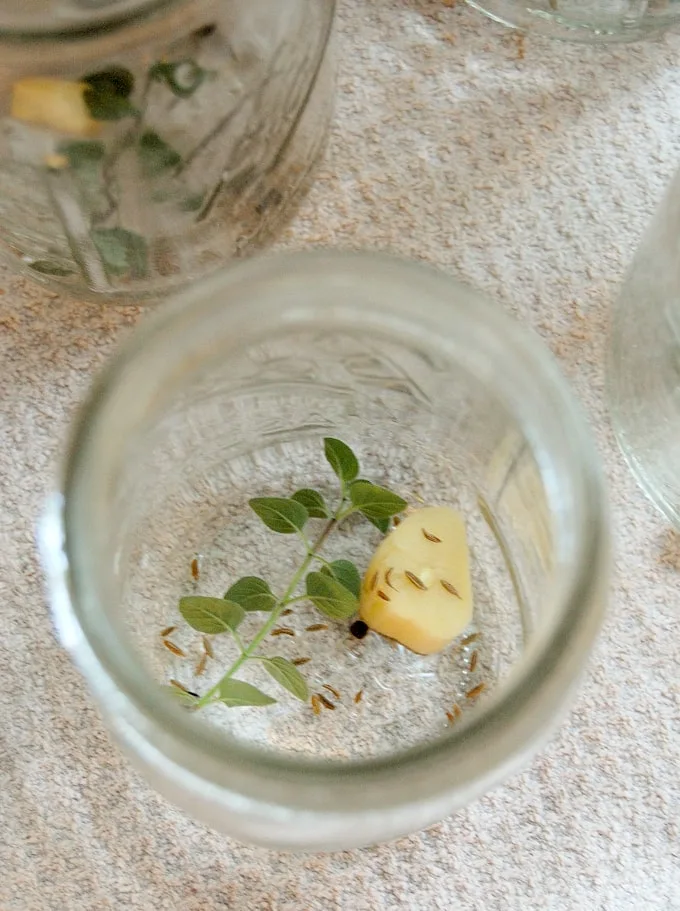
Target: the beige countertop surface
(530, 173)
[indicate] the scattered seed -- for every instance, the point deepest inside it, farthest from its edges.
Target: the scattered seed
(315, 627)
(381, 594)
(358, 696)
(166, 632)
(473, 637)
(457, 711)
(200, 667)
(287, 612)
(359, 629)
(207, 647)
(431, 537)
(283, 631)
(175, 649)
(473, 661)
(451, 717)
(181, 687)
(414, 580)
(194, 569)
(298, 661)
(324, 701)
(316, 704)
(396, 521)
(332, 689)
(372, 583)
(475, 691)
(388, 576)
(449, 588)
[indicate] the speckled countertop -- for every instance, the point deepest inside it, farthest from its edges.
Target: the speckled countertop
(532, 178)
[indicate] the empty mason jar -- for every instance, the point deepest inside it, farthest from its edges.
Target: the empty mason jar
(644, 360)
(144, 143)
(589, 21)
(227, 395)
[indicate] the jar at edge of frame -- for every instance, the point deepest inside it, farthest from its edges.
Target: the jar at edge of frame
(143, 143)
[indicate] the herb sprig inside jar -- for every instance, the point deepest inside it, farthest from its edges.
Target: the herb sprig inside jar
(416, 589)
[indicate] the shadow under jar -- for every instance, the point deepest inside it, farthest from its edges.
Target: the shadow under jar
(227, 396)
(143, 144)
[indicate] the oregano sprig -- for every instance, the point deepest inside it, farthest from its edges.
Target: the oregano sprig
(332, 587)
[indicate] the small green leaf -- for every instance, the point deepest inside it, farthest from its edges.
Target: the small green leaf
(182, 77)
(285, 673)
(155, 155)
(47, 268)
(252, 593)
(235, 693)
(341, 459)
(382, 525)
(83, 156)
(107, 94)
(280, 513)
(346, 573)
(375, 502)
(211, 615)
(312, 501)
(330, 596)
(122, 252)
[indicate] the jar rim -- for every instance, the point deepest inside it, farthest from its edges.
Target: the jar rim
(517, 704)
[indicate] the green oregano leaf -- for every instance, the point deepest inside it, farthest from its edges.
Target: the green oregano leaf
(211, 615)
(375, 502)
(107, 93)
(285, 673)
(341, 459)
(330, 596)
(236, 693)
(313, 502)
(346, 573)
(155, 154)
(383, 525)
(252, 593)
(45, 267)
(83, 156)
(281, 514)
(182, 77)
(123, 252)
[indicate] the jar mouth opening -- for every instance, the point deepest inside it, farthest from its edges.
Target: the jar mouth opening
(584, 514)
(44, 20)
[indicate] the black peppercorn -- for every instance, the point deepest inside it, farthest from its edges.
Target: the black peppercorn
(358, 629)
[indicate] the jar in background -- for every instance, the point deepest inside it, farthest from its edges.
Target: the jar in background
(644, 360)
(143, 144)
(588, 21)
(227, 394)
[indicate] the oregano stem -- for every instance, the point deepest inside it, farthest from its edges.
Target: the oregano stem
(278, 607)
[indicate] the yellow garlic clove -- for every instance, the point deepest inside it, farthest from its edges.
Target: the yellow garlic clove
(417, 587)
(55, 103)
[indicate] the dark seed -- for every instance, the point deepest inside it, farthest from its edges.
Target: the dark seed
(381, 594)
(166, 632)
(475, 691)
(315, 627)
(331, 689)
(175, 649)
(431, 537)
(473, 661)
(298, 661)
(283, 631)
(359, 629)
(449, 588)
(194, 568)
(326, 702)
(358, 696)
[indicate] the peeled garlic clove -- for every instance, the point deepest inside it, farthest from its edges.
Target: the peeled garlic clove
(417, 587)
(55, 103)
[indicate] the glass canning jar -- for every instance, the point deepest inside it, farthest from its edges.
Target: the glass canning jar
(644, 360)
(227, 394)
(587, 21)
(145, 142)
